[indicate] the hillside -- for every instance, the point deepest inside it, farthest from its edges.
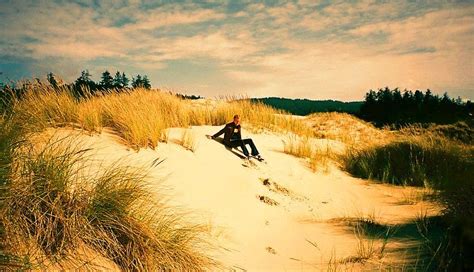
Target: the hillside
(135, 175)
(278, 216)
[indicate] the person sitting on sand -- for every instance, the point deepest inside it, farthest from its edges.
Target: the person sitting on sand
(233, 138)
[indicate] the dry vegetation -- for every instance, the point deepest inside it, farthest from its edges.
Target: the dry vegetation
(439, 159)
(51, 210)
(141, 116)
(347, 129)
(318, 155)
(188, 139)
(45, 218)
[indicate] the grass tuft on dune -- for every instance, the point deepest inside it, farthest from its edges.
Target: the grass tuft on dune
(50, 209)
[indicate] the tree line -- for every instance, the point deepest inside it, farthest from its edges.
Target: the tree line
(82, 85)
(306, 106)
(107, 81)
(387, 106)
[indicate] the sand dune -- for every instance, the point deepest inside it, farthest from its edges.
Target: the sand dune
(276, 216)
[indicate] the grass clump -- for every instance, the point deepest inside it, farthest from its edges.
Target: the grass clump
(10, 139)
(130, 228)
(317, 156)
(51, 208)
(188, 140)
(413, 161)
(435, 163)
(297, 147)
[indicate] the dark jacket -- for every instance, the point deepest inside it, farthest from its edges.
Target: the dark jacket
(231, 132)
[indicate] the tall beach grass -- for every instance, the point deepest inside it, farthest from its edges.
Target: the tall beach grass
(437, 163)
(140, 116)
(51, 209)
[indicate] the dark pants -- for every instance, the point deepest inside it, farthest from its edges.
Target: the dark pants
(242, 143)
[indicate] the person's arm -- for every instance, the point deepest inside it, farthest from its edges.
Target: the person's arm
(239, 134)
(219, 133)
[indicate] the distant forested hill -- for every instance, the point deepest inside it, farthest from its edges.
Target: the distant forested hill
(306, 106)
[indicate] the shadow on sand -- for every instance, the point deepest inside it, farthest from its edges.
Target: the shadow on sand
(424, 244)
(235, 151)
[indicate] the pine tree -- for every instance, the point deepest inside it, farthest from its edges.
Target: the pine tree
(107, 80)
(117, 82)
(146, 82)
(85, 79)
(83, 83)
(124, 81)
(137, 82)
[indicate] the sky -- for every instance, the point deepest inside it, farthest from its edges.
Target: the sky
(298, 49)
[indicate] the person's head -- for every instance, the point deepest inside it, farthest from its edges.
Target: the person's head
(236, 119)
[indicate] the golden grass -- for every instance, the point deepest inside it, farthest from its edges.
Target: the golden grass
(318, 156)
(188, 139)
(298, 147)
(140, 116)
(348, 129)
(51, 209)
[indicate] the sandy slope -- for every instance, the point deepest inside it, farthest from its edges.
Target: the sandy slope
(298, 233)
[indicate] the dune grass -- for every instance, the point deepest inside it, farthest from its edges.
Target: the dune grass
(50, 209)
(9, 140)
(140, 116)
(188, 139)
(298, 147)
(318, 157)
(416, 161)
(347, 129)
(436, 163)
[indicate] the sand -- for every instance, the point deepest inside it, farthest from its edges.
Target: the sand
(277, 216)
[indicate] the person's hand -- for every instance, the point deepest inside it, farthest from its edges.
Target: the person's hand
(210, 136)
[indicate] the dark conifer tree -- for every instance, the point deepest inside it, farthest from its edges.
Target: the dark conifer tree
(137, 82)
(106, 82)
(124, 81)
(146, 82)
(83, 84)
(117, 82)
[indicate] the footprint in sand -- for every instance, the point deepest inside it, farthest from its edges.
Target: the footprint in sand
(277, 188)
(274, 187)
(271, 250)
(267, 200)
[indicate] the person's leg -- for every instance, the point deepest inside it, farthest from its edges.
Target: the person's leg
(252, 146)
(235, 143)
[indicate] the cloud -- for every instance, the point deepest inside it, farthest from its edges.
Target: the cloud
(428, 51)
(305, 49)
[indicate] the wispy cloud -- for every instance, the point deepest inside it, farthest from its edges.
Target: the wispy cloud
(316, 50)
